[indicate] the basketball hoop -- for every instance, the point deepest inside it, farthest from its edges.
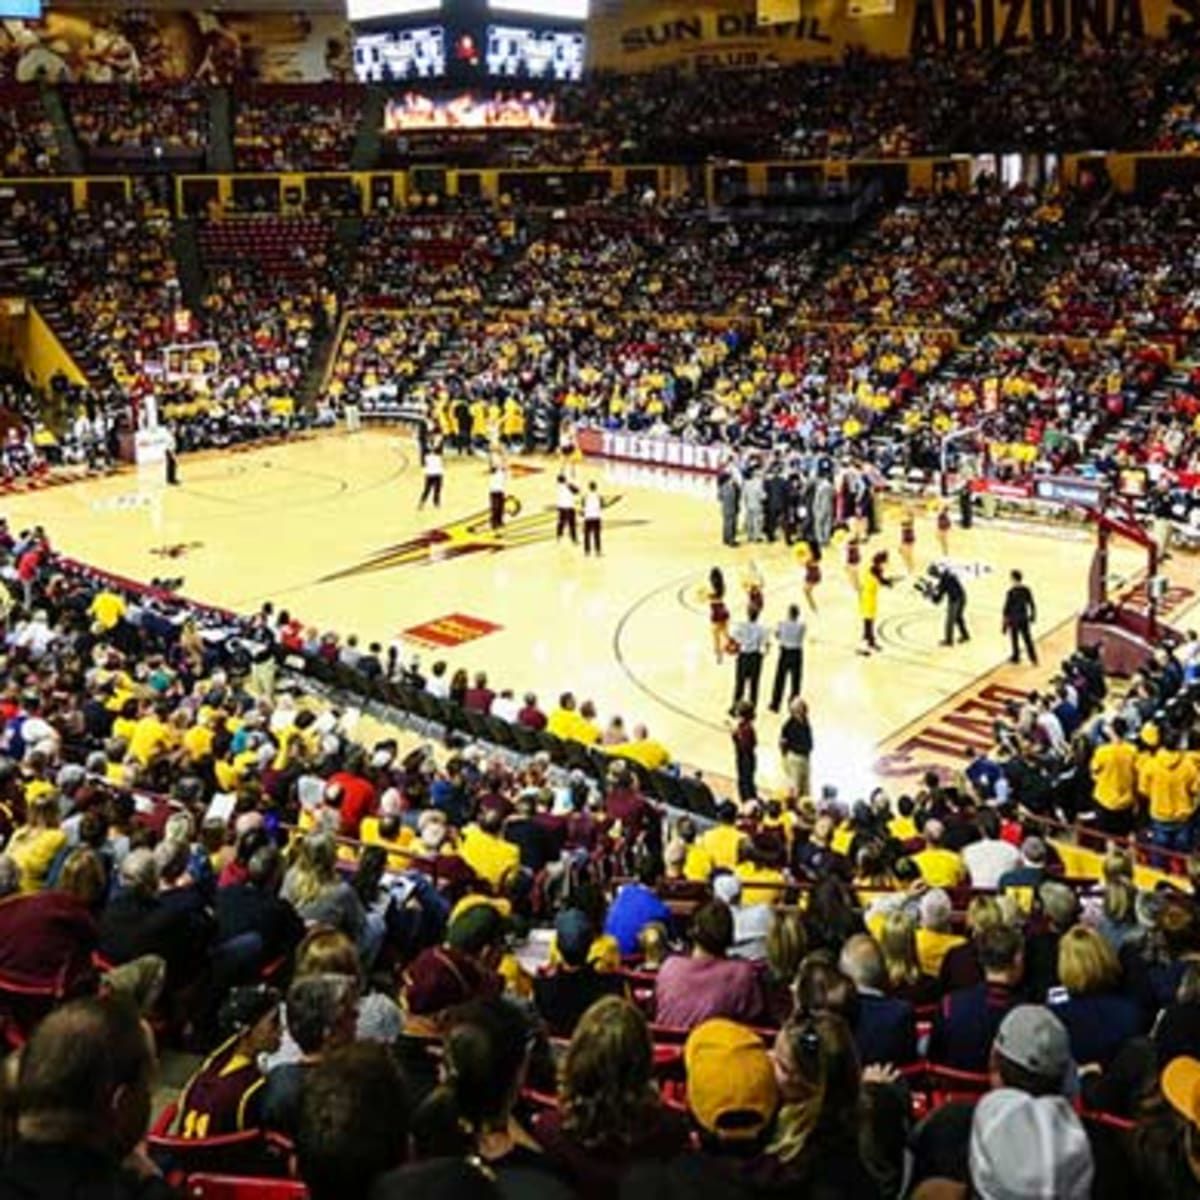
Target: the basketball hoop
(194, 363)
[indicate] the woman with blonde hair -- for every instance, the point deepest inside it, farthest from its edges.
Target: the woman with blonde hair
(35, 845)
(897, 939)
(1119, 900)
(610, 1115)
(1100, 1018)
(315, 889)
(786, 945)
(961, 967)
(814, 1148)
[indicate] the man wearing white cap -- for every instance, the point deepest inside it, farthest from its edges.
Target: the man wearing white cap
(1023, 1140)
(1027, 1147)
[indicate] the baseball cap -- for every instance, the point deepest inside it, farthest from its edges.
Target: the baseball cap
(1027, 1147)
(244, 1007)
(1034, 1039)
(731, 1086)
(1181, 1086)
(727, 888)
(573, 935)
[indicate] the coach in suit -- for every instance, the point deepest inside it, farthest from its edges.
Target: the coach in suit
(885, 1029)
(1019, 614)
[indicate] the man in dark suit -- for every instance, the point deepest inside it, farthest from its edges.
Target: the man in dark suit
(254, 906)
(1020, 612)
(886, 1028)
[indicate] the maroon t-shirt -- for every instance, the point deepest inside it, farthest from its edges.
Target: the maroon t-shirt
(596, 1173)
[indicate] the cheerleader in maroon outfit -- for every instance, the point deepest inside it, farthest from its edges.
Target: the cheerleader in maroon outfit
(943, 529)
(853, 559)
(718, 612)
(908, 540)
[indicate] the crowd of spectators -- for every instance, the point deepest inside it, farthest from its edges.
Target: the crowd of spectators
(419, 259)
(1132, 272)
(282, 127)
(139, 121)
(616, 996)
(28, 145)
(948, 259)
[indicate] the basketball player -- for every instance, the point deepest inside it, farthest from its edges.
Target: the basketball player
(497, 488)
(434, 469)
(592, 508)
(565, 504)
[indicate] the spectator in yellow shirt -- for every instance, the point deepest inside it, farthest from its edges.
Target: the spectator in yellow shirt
(388, 831)
(939, 867)
(566, 722)
(152, 736)
(934, 937)
(107, 608)
(721, 843)
(643, 750)
(697, 862)
(35, 845)
(486, 852)
(1114, 780)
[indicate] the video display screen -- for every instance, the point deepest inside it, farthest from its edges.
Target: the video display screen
(376, 10)
(515, 110)
(558, 10)
(400, 55)
(519, 52)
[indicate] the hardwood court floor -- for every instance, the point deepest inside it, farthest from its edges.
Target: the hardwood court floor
(329, 528)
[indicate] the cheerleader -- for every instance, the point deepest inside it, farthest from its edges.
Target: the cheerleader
(853, 557)
(943, 529)
(809, 556)
(718, 612)
(569, 453)
(908, 540)
(868, 600)
(752, 583)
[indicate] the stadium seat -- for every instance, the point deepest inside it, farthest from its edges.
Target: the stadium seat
(23, 1004)
(237, 1187)
(254, 1152)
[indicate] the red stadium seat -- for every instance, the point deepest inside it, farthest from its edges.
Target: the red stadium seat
(238, 1187)
(23, 1003)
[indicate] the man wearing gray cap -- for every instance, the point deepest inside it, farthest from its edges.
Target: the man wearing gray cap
(1023, 1140)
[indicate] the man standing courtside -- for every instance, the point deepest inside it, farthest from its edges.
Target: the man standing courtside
(751, 639)
(789, 667)
(1019, 615)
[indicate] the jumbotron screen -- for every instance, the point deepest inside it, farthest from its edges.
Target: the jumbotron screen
(519, 52)
(413, 112)
(555, 10)
(375, 10)
(400, 55)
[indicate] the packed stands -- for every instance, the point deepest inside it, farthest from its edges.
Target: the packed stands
(296, 127)
(28, 145)
(129, 127)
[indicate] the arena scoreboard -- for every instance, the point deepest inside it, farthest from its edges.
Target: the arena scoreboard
(468, 43)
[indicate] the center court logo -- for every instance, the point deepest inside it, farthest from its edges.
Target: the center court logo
(471, 535)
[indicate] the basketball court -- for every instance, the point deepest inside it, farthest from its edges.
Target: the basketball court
(328, 528)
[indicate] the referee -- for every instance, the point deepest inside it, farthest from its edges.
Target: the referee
(751, 640)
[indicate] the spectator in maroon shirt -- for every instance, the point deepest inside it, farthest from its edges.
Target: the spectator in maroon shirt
(479, 697)
(610, 1115)
(625, 803)
(531, 716)
(707, 983)
(51, 935)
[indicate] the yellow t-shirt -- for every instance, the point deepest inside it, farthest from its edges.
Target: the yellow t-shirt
(108, 608)
(933, 946)
(940, 868)
(490, 857)
(721, 843)
(150, 738)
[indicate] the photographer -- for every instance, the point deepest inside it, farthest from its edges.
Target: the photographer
(946, 585)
